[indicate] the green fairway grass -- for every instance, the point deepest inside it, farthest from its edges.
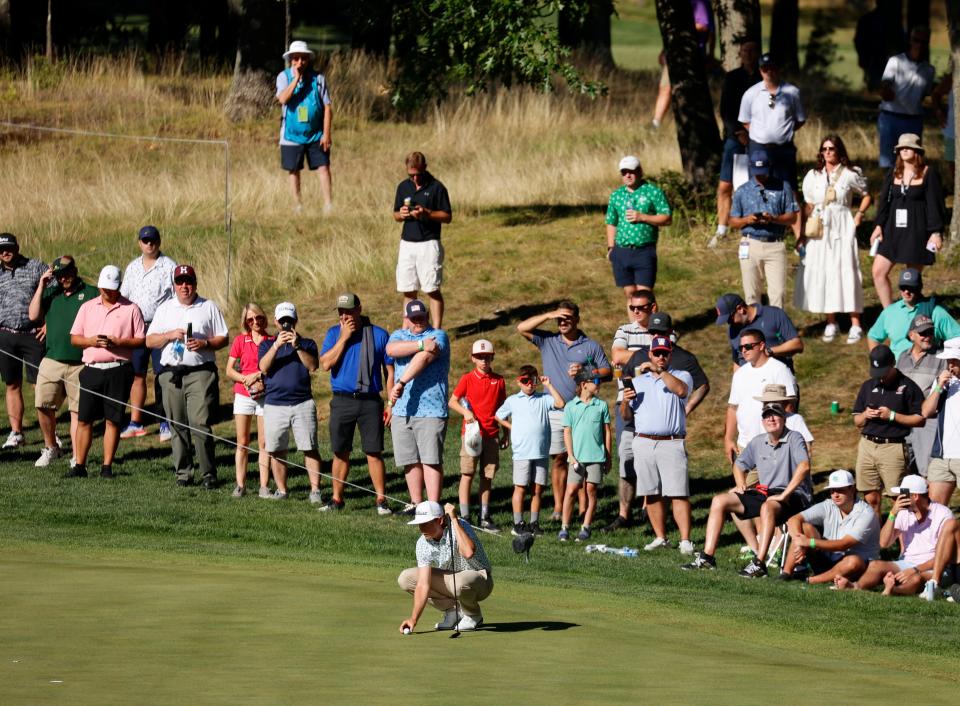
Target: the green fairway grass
(137, 627)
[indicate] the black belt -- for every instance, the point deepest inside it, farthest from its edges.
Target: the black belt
(655, 437)
(178, 371)
(765, 238)
(883, 440)
(24, 331)
(358, 395)
(774, 145)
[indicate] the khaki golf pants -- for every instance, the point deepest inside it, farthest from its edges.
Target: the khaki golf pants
(472, 587)
(767, 261)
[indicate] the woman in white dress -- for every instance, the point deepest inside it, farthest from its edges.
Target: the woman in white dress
(829, 281)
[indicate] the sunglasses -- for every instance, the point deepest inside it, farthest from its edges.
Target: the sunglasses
(912, 290)
(184, 280)
(527, 381)
(659, 354)
(772, 102)
(749, 346)
(483, 356)
(641, 307)
(925, 334)
(624, 172)
(257, 319)
(416, 175)
(564, 320)
(828, 149)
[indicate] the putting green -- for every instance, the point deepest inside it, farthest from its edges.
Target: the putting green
(129, 627)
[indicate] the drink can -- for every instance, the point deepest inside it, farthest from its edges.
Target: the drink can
(835, 407)
(875, 247)
(407, 202)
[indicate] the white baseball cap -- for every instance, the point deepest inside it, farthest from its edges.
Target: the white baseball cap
(840, 478)
(426, 512)
(951, 349)
(911, 484)
(109, 277)
(482, 346)
(285, 310)
(629, 162)
(297, 47)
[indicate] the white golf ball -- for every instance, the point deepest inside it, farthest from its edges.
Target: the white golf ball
(406, 631)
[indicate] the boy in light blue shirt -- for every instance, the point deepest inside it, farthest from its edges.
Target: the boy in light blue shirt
(529, 428)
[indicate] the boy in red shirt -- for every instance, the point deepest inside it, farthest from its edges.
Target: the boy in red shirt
(477, 397)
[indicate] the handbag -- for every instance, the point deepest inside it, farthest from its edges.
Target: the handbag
(813, 230)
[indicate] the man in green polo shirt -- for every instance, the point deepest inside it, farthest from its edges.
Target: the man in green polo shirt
(893, 324)
(59, 295)
(635, 214)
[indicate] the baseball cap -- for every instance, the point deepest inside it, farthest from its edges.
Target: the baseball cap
(415, 308)
(661, 343)
(482, 346)
(921, 322)
(951, 349)
(62, 264)
(911, 484)
(347, 300)
(425, 512)
(840, 478)
(8, 240)
(630, 162)
(759, 162)
(773, 408)
(285, 310)
(881, 360)
(726, 305)
(660, 322)
(109, 277)
(148, 233)
(766, 59)
(184, 271)
(910, 277)
(584, 375)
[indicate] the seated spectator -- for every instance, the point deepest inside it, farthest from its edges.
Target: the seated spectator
(944, 402)
(917, 523)
(946, 564)
(837, 537)
(893, 324)
(783, 341)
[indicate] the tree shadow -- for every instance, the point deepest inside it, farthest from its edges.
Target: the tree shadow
(500, 318)
(525, 625)
(542, 214)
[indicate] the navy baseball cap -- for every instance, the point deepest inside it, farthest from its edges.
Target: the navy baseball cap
(766, 59)
(8, 240)
(759, 162)
(661, 343)
(148, 233)
(726, 305)
(881, 361)
(415, 308)
(911, 278)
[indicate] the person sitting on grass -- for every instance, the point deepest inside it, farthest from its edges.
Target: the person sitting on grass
(946, 564)
(780, 458)
(586, 435)
(476, 398)
(526, 418)
(837, 537)
(917, 523)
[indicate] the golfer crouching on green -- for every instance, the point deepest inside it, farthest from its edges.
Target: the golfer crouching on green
(453, 572)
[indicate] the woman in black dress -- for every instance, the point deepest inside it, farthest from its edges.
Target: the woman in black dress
(910, 216)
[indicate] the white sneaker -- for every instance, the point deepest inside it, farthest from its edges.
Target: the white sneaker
(469, 622)
(829, 333)
(449, 621)
(658, 543)
(929, 592)
(15, 440)
(315, 498)
(59, 443)
(854, 335)
(48, 455)
(686, 546)
(265, 493)
(165, 433)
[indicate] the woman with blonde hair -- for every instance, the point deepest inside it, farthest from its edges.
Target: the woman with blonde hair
(243, 368)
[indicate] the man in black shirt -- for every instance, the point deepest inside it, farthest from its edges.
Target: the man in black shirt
(421, 205)
(887, 407)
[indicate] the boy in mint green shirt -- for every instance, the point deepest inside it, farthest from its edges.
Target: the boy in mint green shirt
(586, 434)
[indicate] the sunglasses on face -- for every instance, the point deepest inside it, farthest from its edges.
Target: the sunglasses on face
(925, 334)
(565, 320)
(828, 149)
(911, 290)
(624, 172)
(257, 319)
(182, 281)
(659, 354)
(483, 356)
(641, 307)
(749, 346)
(527, 381)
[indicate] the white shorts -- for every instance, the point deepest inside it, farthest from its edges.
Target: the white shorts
(557, 446)
(242, 404)
(420, 266)
(279, 420)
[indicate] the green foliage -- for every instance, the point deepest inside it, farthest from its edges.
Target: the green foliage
(473, 43)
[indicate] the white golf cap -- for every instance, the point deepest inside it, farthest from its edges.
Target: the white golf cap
(951, 349)
(840, 478)
(285, 310)
(482, 346)
(911, 484)
(109, 277)
(629, 162)
(297, 47)
(425, 512)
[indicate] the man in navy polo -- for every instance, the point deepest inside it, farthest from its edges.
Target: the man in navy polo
(762, 209)
(563, 354)
(783, 341)
(354, 352)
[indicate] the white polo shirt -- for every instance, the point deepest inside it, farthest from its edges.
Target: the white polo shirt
(748, 382)
(148, 289)
(204, 316)
(772, 125)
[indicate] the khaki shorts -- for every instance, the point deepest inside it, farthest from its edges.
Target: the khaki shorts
(943, 470)
(488, 460)
(879, 466)
(591, 473)
(57, 382)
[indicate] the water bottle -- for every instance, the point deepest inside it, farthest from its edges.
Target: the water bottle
(627, 551)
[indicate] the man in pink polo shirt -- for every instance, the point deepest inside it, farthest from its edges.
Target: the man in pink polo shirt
(108, 329)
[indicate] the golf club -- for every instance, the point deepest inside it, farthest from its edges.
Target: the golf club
(456, 600)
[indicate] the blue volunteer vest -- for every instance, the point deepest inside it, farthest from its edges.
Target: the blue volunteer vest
(303, 121)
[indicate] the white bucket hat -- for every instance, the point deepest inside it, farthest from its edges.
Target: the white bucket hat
(298, 47)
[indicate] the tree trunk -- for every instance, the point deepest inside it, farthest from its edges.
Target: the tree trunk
(168, 22)
(259, 49)
(783, 34)
(697, 131)
(918, 13)
(50, 31)
(6, 31)
(953, 29)
(738, 22)
(218, 37)
(587, 33)
(371, 25)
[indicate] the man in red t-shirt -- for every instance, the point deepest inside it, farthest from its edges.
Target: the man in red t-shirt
(477, 397)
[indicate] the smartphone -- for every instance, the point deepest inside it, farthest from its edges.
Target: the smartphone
(286, 325)
(758, 214)
(190, 330)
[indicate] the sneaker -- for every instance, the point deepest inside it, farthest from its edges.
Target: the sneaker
(78, 471)
(854, 334)
(449, 622)
(686, 546)
(700, 561)
(48, 455)
(953, 593)
(133, 429)
(929, 592)
(14, 440)
(620, 522)
(556, 517)
(279, 495)
(487, 524)
(658, 543)
(238, 492)
(800, 573)
(714, 241)
(829, 333)
(563, 535)
(584, 534)
(264, 493)
(210, 483)
(745, 550)
(755, 569)
(315, 498)
(409, 509)
(331, 505)
(383, 509)
(469, 622)
(106, 472)
(165, 432)
(519, 528)
(534, 529)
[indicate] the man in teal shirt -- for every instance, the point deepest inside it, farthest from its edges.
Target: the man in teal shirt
(894, 321)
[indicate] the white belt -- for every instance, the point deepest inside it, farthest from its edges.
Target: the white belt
(107, 366)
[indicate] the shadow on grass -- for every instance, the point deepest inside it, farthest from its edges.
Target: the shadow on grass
(541, 214)
(501, 317)
(525, 625)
